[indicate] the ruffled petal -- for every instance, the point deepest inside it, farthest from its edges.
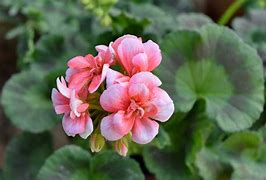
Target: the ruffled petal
(139, 92)
(69, 73)
(140, 62)
(114, 77)
(115, 126)
(78, 62)
(117, 42)
(83, 107)
(144, 130)
(163, 103)
(74, 126)
(98, 79)
(78, 80)
(75, 103)
(128, 48)
(89, 128)
(60, 102)
(115, 98)
(101, 48)
(146, 78)
(62, 87)
(153, 53)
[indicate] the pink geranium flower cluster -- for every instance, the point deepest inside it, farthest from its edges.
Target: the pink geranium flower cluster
(114, 105)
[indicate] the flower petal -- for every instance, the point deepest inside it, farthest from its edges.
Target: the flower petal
(89, 128)
(105, 53)
(144, 130)
(114, 77)
(62, 87)
(83, 107)
(101, 48)
(98, 79)
(139, 92)
(153, 53)
(163, 103)
(60, 102)
(118, 41)
(78, 80)
(75, 103)
(115, 126)
(146, 78)
(69, 73)
(78, 62)
(140, 62)
(127, 49)
(115, 98)
(74, 126)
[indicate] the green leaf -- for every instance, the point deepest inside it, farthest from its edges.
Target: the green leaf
(26, 103)
(214, 65)
(162, 139)
(110, 165)
(126, 24)
(71, 162)
(164, 163)
(239, 142)
(249, 170)
(25, 155)
(173, 161)
(201, 129)
(240, 156)
(252, 29)
(160, 21)
(1, 175)
(211, 166)
(191, 21)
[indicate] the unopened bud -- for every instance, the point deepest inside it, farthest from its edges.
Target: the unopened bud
(121, 146)
(97, 142)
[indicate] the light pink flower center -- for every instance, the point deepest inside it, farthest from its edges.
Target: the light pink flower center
(135, 109)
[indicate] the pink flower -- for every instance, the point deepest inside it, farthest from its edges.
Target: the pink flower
(135, 105)
(89, 72)
(136, 56)
(114, 77)
(76, 118)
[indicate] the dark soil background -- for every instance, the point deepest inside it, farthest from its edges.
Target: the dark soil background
(213, 8)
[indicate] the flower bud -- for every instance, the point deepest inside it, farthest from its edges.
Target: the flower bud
(121, 146)
(97, 142)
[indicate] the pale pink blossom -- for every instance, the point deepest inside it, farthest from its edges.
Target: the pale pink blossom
(135, 106)
(136, 56)
(89, 72)
(76, 118)
(114, 77)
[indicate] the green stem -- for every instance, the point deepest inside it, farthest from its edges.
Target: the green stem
(95, 107)
(231, 11)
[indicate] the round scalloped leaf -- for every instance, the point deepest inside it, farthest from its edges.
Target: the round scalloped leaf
(165, 164)
(176, 160)
(109, 165)
(210, 165)
(192, 21)
(26, 154)
(26, 104)
(247, 169)
(252, 29)
(241, 141)
(239, 156)
(214, 65)
(69, 162)
(72, 162)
